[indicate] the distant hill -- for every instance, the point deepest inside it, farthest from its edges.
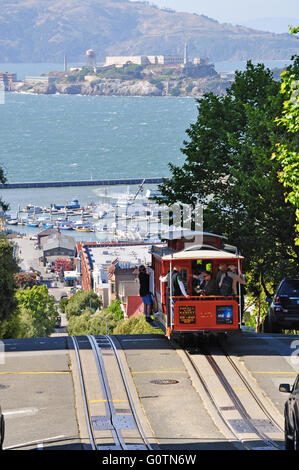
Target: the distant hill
(43, 30)
(274, 25)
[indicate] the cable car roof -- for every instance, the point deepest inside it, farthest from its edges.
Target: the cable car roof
(202, 254)
(183, 233)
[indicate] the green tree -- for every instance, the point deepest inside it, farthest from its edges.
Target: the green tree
(287, 152)
(3, 205)
(8, 304)
(80, 301)
(116, 310)
(37, 312)
(228, 169)
(91, 323)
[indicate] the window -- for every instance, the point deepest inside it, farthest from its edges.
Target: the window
(290, 287)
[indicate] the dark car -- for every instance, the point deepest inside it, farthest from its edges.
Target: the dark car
(283, 313)
(58, 322)
(291, 415)
(2, 429)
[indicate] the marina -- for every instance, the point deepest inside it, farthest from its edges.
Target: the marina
(120, 216)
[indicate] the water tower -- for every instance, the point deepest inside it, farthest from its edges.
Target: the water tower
(90, 57)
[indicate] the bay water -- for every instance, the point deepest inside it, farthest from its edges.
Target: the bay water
(74, 137)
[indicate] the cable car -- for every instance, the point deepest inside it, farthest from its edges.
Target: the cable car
(194, 252)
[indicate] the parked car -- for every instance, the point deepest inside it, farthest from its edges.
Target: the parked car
(283, 312)
(58, 322)
(291, 415)
(2, 429)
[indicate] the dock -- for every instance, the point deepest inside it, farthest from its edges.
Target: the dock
(60, 184)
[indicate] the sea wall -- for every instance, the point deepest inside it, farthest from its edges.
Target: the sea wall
(59, 184)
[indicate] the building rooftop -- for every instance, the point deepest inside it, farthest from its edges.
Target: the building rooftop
(59, 240)
(125, 256)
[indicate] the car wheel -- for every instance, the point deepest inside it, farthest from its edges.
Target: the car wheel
(296, 440)
(2, 431)
(273, 328)
(266, 326)
(289, 443)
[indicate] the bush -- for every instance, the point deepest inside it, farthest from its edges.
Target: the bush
(90, 323)
(80, 302)
(135, 326)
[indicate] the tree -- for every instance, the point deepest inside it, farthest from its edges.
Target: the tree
(116, 310)
(91, 323)
(8, 304)
(3, 180)
(24, 280)
(287, 153)
(37, 311)
(228, 169)
(81, 301)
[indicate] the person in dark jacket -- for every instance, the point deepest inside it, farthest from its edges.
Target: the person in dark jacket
(209, 286)
(144, 292)
(175, 288)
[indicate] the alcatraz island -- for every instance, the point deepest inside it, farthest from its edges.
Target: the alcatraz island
(158, 75)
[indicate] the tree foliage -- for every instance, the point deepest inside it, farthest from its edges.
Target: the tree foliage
(287, 152)
(91, 323)
(134, 326)
(8, 269)
(37, 312)
(228, 169)
(81, 301)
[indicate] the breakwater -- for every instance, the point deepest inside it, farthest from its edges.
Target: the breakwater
(60, 184)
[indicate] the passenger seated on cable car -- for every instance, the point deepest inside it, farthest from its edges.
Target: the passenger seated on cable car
(209, 286)
(197, 280)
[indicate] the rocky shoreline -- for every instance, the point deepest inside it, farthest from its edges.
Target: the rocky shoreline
(137, 87)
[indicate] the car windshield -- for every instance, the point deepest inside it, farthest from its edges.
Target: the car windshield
(290, 287)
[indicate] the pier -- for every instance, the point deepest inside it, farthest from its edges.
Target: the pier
(60, 184)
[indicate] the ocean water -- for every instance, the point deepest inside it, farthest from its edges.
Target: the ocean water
(67, 137)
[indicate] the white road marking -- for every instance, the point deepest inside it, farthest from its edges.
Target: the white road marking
(24, 411)
(39, 443)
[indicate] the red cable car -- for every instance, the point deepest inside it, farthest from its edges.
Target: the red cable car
(194, 252)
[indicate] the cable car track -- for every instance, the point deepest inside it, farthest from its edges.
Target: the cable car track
(114, 428)
(237, 420)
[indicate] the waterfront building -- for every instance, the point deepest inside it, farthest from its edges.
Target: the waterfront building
(57, 245)
(110, 269)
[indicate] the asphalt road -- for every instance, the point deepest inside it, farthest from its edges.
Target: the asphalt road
(38, 398)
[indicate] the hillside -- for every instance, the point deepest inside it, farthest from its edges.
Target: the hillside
(43, 30)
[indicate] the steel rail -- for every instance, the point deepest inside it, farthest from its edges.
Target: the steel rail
(130, 399)
(251, 391)
(239, 406)
(84, 395)
(119, 440)
(234, 398)
(210, 396)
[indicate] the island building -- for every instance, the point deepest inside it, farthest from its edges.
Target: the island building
(6, 79)
(120, 61)
(41, 79)
(111, 270)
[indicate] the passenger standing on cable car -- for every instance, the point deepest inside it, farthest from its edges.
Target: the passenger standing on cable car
(175, 288)
(144, 292)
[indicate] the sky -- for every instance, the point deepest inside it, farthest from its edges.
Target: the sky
(235, 11)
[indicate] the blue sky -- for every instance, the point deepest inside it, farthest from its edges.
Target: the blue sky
(232, 11)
